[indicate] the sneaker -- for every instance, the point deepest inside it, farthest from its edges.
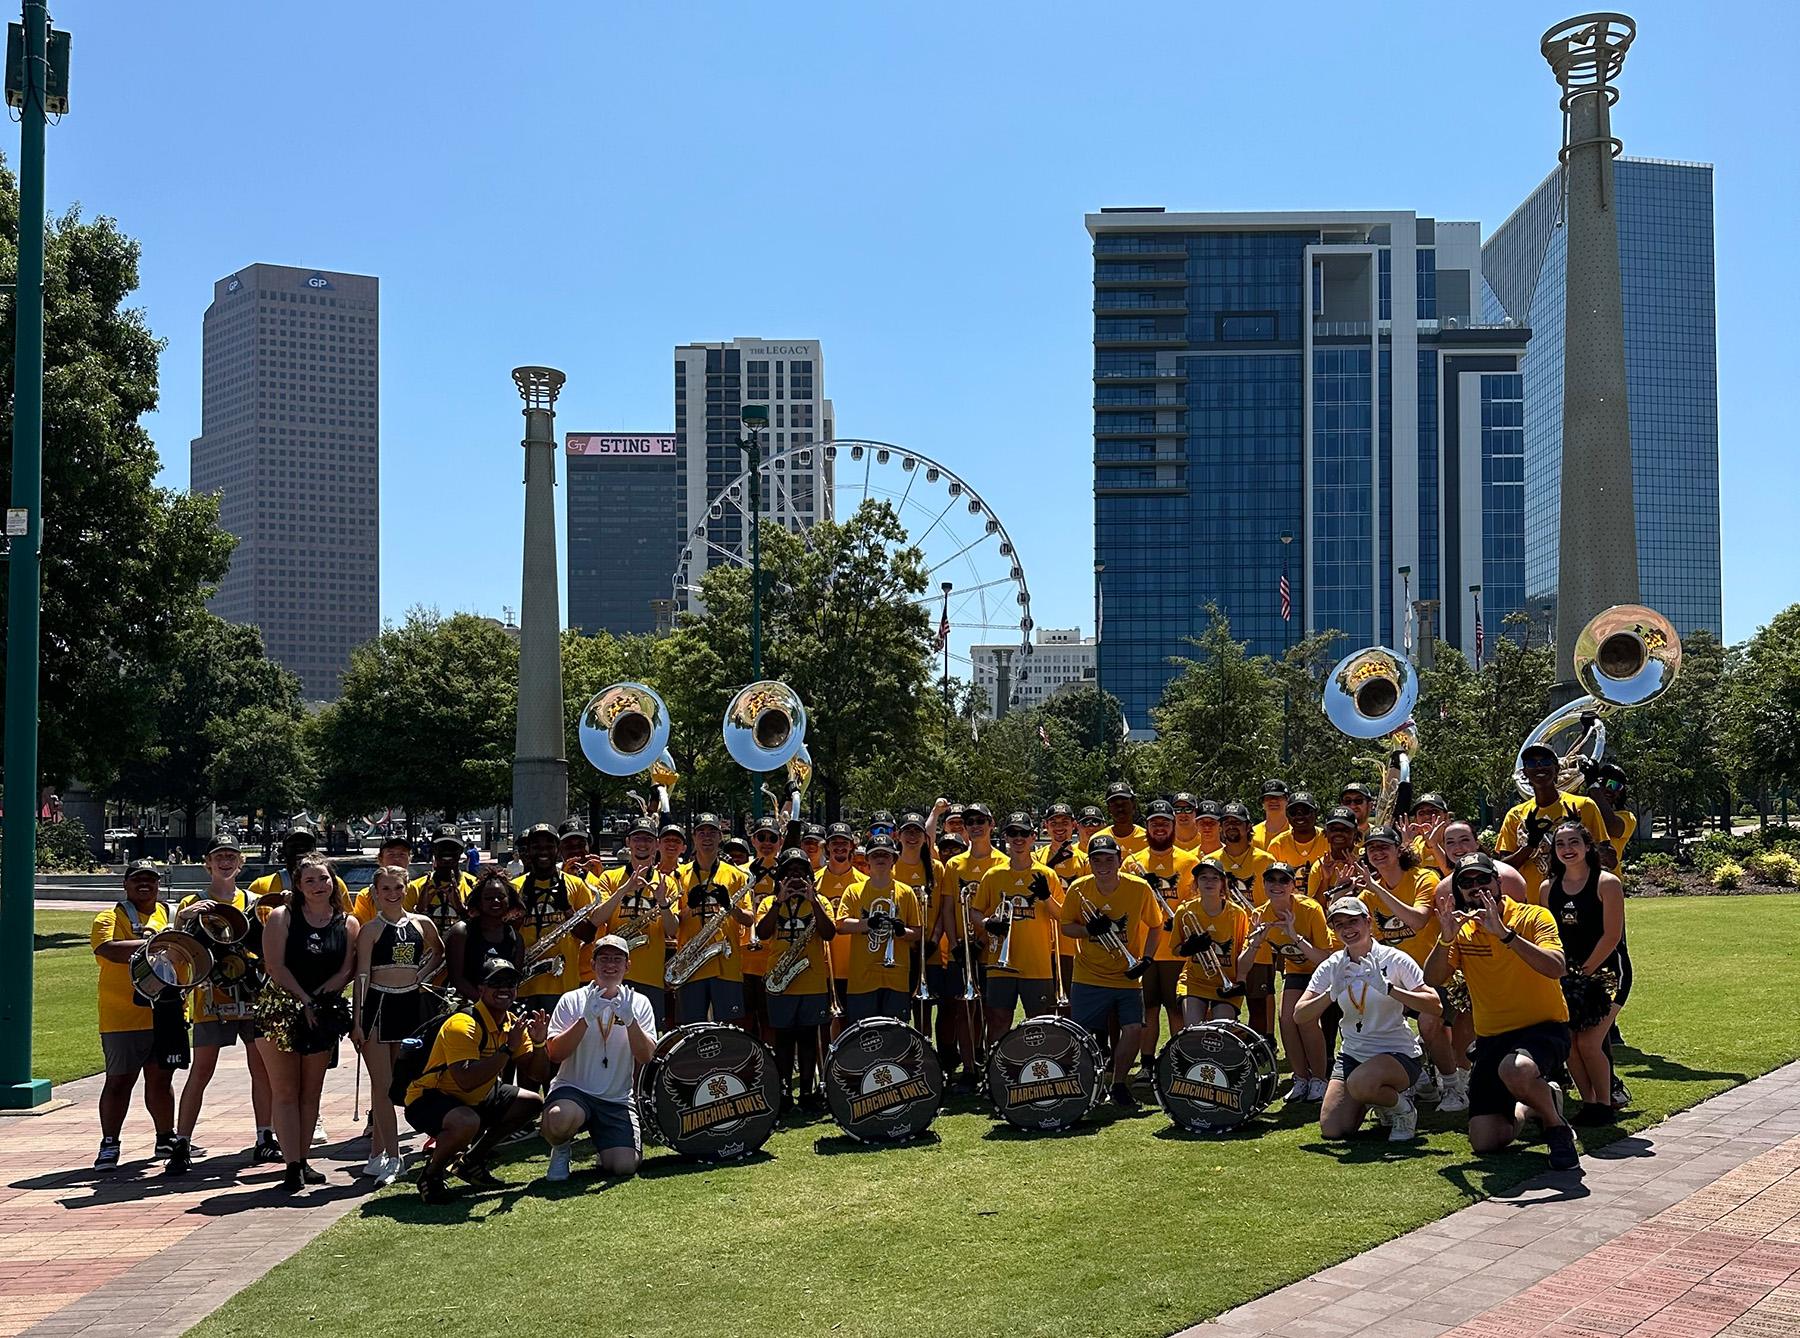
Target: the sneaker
(1298, 1091)
(1454, 1092)
(1384, 1115)
(294, 1181)
(165, 1143)
(1315, 1090)
(267, 1152)
(1428, 1087)
(309, 1175)
(319, 1134)
(560, 1157)
(108, 1158)
(1621, 1096)
(434, 1189)
(1528, 1117)
(1403, 1121)
(1122, 1097)
(392, 1169)
(478, 1175)
(180, 1156)
(1564, 1156)
(375, 1165)
(523, 1135)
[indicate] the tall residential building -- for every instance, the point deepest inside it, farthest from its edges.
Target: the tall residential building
(1060, 659)
(290, 440)
(624, 513)
(1665, 214)
(1252, 380)
(712, 383)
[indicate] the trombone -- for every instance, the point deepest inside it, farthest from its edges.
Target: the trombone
(1166, 911)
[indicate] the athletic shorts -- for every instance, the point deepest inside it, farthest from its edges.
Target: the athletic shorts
(1546, 1042)
(1295, 982)
(755, 998)
(428, 1113)
(1260, 983)
(790, 1011)
(1621, 962)
(944, 982)
(1096, 1006)
(877, 1003)
(1160, 984)
(1005, 993)
(723, 999)
(127, 1051)
(221, 1034)
(613, 1124)
(1344, 1065)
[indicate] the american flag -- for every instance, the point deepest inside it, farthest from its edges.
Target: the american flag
(1287, 600)
(943, 636)
(1043, 736)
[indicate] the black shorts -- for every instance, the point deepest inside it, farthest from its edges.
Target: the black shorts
(1546, 1042)
(1260, 983)
(1159, 984)
(1622, 964)
(391, 1017)
(1295, 982)
(427, 1114)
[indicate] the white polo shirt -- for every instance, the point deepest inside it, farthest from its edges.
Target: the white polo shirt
(1374, 1020)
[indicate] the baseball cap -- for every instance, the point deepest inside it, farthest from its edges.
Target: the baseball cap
(1357, 787)
(1059, 811)
(791, 856)
(709, 820)
(912, 818)
(1091, 814)
(537, 829)
(612, 941)
(222, 841)
(499, 971)
(1120, 790)
(1387, 834)
(951, 839)
(1340, 817)
(1475, 860)
(1272, 788)
(882, 845)
(138, 866)
(842, 829)
(573, 827)
(1211, 862)
(812, 832)
(1303, 799)
(1103, 845)
(1541, 752)
(1160, 808)
(1431, 800)
(762, 825)
(881, 818)
(1018, 822)
(736, 843)
(1207, 808)
(1279, 866)
(1235, 810)
(1347, 906)
(977, 810)
(398, 838)
(644, 825)
(672, 829)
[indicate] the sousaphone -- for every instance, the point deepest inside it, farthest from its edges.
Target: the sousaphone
(1370, 695)
(765, 730)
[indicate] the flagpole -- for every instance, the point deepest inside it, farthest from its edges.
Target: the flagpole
(1476, 591)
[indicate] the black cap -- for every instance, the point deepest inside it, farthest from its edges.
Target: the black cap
(399, 839)
(842, 829)
(1235, 810)
(573, 827)
(1208, 808)
(1538, 750)
(1274, 787)
(537, 829)
(1357, 787)
(1103, 845)
(767, 825)
(644, 825)
(1279, 866)
(446, 834)
(301, 827)
(954, 811)
(672, 829)
(499, 971)
(1302, 799)
(1059, 811)
(1383, 833)
(300, 833)
(1476, 860)
(949, 838)
(1431, 799)
(977, 810)
(1211, 862)
(1341, 817)
(1185, 797)
(1160, 808)
(882, 845)
(792, 856)
(1090, 814)
(911, 818)
(881, 818)
(138, 866)
(735, 843)
(1018, 822)
(1120, 790)
(222, 841)
(709, 820)
(812, 832)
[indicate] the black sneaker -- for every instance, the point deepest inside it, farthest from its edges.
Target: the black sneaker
(1122, 1097)
(1621, 1096)
(478, 1175)
(1593, 1115)
(308, 1174)
(180, 1157)
(108, 1158)
(812, 1101)
(434, 1189)
(1564, 1156)
(165, 1143)
(294, 1181)
(267, 1152)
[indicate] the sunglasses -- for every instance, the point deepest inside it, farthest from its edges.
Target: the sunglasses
(881, 831)
(976, 821)
(760, 837)
(1277, 878)
(1476, 880)
(1183, 808)
(1090, 822)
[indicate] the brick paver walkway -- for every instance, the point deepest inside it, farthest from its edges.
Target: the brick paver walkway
(134, 1252)
(1687, 1230)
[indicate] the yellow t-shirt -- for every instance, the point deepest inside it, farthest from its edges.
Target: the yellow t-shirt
(1505, 992)
(1071, 866)
(278, 882)
(547, 905)
(119, 1010)
(911, 871)
(1619, 842)
(1309, 924)
(1302, 856)
(865, 970)
(1417, 887)
(966, 871)
(834, 887)
(646, 966)
(752, 951)
(424, 896)
(204, 1003)
(475, 1034)
(1327, 876)
(796, 923)
(1173, 871)
(1229, 928)
(1512, 833)
(733, 881)
(1129, 904)
(1033, 920)
(1130, 843)
(1260, 838)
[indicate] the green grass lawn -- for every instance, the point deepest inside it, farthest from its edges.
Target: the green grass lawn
(65, 1016)
(1123, 1227)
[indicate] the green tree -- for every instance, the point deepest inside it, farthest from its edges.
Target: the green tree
(1762, 706)
(1674, 748)
(125, 563)
(426, 719)
(261, 760)
(218, 682)
(1218, 724)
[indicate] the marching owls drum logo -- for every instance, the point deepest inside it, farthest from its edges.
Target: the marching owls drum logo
(883, 1082)
(728, 1090)
(1042, 1078)
(1207, 1078)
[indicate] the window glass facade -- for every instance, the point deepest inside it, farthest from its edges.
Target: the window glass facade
(1502, 495)
(1343, 516)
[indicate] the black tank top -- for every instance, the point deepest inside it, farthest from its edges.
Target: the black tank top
(401, 944)
(477, 950)
(314, 956)
(1580, 918)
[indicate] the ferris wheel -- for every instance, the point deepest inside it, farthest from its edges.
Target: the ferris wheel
(976, 581)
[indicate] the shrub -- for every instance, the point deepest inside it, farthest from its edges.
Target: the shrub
(1778, 868)
(63, 846)
(1727, 877)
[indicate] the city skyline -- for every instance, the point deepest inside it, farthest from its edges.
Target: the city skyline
(902, 297)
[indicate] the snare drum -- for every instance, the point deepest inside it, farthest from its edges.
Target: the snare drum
(170, 960)
(1215, 1075)
(1044, 1074)
(710, 1092)
(883, 1081)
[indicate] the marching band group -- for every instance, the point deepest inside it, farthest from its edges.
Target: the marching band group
(1391, 958)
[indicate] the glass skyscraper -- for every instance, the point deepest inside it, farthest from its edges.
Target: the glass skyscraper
(1671, 367)
(1251, 382)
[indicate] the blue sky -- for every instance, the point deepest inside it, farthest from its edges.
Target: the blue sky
(589, 185)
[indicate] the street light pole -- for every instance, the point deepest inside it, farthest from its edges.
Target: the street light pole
(24, 531)
(755, 418)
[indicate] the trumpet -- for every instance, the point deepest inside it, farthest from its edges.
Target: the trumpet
(1111, 939)
(1210, 959)
(1006, 911)
(1166, 911)
(883, 942)
(967, 894)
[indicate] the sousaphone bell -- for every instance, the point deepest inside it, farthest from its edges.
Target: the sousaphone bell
(1370, 695)
(624, 730)
(765, 730)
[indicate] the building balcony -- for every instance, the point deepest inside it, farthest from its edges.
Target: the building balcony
(1119, 430)
(1115, 375)
(1161, 248)
(1127, 276)
(1161, 456)
(1148, 400)
(1342, 329)
(1141, 339)
(1106, 303)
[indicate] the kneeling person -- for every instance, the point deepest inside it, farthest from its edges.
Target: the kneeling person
(459, 1099)
(1378, 1056)
(598, 1034)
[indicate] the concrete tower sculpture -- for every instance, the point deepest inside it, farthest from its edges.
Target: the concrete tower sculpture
(540, 768)
(1597, 564)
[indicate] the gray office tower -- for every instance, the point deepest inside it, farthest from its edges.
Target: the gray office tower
(290, 440)
(624, 529)
(1321, 376)
(1665, 216)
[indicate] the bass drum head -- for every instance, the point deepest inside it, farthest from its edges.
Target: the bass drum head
(1044, 1074)
(883, 1081)
(1263, 1050)
(710, 1092)
(1211, 1076)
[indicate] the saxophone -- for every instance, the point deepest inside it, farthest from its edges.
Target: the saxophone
(792, 963)
(539, 959)
(636, 930)
(701, 948)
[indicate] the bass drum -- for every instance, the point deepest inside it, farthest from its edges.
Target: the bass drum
(1044, 1074)
(1214, 1076)
(709, 1092)
(883, 1081)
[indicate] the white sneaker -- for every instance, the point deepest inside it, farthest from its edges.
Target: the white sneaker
(1315, 1090)
(391, 1170)
(560, 1157)
(375, 1165)
(1454, 1092)
(1427, 1087)
(1298, 1091)
(1384, 1115)
(1403, 1121)
(319, 1134)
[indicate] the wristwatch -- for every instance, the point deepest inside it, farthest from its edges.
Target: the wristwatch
(1509, 935)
